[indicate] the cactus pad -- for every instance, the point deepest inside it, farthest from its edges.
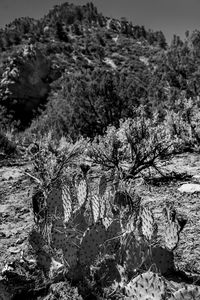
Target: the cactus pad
(44, 260)
(162, 258)
(106, 222)
(114, 232)
(36, 240)
(79, 221)
(104, 207)
(171, 236)
(102, 185)
(122, 199)
(70, 254)
(95, 204)
(146, 286)
(67, 204)
(72, 190)
(133, 252)
(92, 239)
(114, 229)
(54, 202)
(130, 225)
(187, 293)
(58, 236)
(107, 272)
(136, 205)
(82, 192)
(148, 224)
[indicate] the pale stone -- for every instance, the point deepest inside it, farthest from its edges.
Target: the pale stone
(196, 178)
(189, 188)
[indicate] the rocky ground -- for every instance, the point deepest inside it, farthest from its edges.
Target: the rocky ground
(16, 218)
(184, 194)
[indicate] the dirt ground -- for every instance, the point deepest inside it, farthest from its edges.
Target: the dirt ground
(16, 216)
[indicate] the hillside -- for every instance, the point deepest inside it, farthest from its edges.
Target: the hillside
(89, 69)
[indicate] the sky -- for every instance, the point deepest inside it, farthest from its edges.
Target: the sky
(170, 16)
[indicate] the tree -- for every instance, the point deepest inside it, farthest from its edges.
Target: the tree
(61, 33)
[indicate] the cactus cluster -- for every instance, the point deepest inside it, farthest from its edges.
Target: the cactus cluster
(89, 228)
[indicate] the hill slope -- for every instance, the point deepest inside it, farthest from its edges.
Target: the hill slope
(86, 71)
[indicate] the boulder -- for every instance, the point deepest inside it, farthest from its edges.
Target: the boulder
(189, 188)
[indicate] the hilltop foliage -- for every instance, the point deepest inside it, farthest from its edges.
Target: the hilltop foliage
(99, 71)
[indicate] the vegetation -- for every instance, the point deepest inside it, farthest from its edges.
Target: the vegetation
(101, 70)
(91, 227)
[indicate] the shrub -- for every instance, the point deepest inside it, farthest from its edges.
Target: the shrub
(6, 146)
(136, 146)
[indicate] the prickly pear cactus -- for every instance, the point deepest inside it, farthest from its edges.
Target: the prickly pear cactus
(107, 272)
(162, 258)
(114, 229)
(130, 225)
(114, 232)
(44, 260)
(122, 199)
(169, 212)
(171, 236)
(91, 241)
(115, 185)
(107, 222)
(67, 204)
(146, 286)
(54, 202)
(95, 205)
(148, 224)
(136, 206)
(187, 293)
(56, 267)
(102, 185)
(82, 192)
(103, 208)
(58, 235)
(78, 220)
(71, 187)
(70, 254)
(99, 208)
(36, 240)
(133, 253)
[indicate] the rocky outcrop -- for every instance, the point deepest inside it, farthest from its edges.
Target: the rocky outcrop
(24, 83)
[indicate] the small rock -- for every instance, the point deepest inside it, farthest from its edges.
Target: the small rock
(14, 250)
(196, 178)
(20, 241)
(189, 188)
(10, 174)
(24, 210)
(2, 235)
